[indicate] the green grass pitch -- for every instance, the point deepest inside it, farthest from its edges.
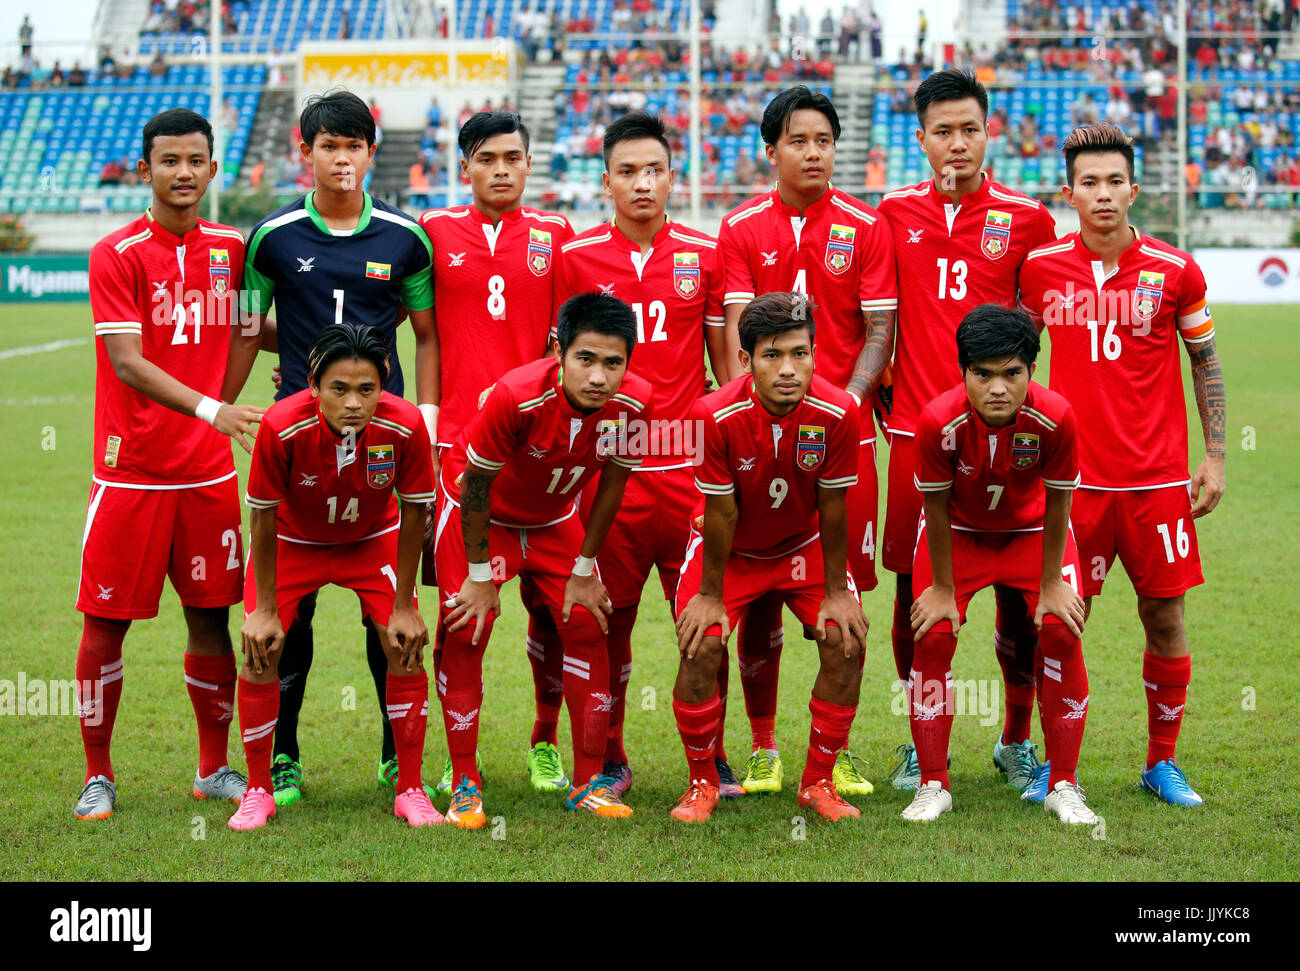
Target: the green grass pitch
(1239, 743)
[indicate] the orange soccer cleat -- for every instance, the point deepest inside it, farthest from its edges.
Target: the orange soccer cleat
(821, 796)
(697, 805)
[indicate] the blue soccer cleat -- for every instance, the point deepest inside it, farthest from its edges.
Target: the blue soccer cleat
(1167, 782)
(1036, 791)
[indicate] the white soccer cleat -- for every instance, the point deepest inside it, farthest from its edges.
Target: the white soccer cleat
(1066, 800)
(931, 801)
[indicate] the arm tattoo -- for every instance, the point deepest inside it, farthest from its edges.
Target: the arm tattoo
(1211, 401)
(876, 352)
(474, 506)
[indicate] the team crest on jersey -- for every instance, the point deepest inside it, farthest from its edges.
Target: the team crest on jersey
(996, 238)
(810, 450)
(1146, 296)
(539, 252)
(1024, 449)
(219, 279)
(839, 248)
(380, 465)
(611, 436)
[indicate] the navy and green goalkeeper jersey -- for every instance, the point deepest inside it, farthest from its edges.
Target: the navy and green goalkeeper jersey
(317, 276)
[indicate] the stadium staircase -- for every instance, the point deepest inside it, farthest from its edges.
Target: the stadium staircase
(118, 23)
(393, 165)
(854, 84)
(540, 82)
(268, 138)
(985, 23)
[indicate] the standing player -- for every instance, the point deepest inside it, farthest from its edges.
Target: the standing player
(329, 466)
(335, 255)
(780, 449)
(493, 261)
(808, 237)
(164, 501)
(507, 506)
(996, 462)
(672, 277)
(960, 239)
(1115, 303)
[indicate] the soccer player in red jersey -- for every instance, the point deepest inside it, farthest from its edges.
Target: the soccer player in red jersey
(960, 239)
(672, 277)
(164, 501)
(780, 451)
(493, 263)
(996, 463)
(329, 466)
(507, 506)
(1115, 303)
(808, 237)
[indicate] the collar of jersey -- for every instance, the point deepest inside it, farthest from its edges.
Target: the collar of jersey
(654, 243)
(813, 209)
(510, 215)
(166, 236)
(1131, 248)
(308, 203)
(978, 196)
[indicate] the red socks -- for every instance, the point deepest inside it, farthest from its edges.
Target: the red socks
(830, 733)
(407, 699)
(1015, 640)
(1064, 700)
(698, 725)
(546, 655)
(211, 683)
(259, 710)
(1166, 680)
(758, 653)
(619, 640)
(586, 692)
(460, 689)
(99, 689)
(930, 691)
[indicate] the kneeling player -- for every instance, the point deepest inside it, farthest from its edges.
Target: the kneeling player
(328, 463)
(763, 517)
(506, 507)
(996, 464)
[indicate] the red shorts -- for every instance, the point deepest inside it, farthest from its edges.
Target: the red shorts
(1152, 532)
(651, 530)
(903, 505)
(542, 555)
(367, 567)
(980, 560)
(135, 537)
(799, 579)
(863, 501)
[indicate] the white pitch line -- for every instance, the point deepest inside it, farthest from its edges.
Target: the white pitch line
(42, 348)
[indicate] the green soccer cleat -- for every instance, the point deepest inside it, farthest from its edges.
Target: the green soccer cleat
(763, 772)
(907, 773)
(388, 777)
(444, 784)
(545, 770)
(847, 776)
(286, 780)
(1016, 761)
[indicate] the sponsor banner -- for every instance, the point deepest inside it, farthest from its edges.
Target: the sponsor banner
(1250, 275)
(389, 65)
(47, 278)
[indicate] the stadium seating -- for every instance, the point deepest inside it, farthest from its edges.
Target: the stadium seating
(55, 143)
(266, 26)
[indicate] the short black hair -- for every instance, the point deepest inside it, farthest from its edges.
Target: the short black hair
(174, 121)
(634, 125)
(775, 313)
(597, 313)
(776, 116)
(483, 125)
(992, 332)
(339, 342)
(336, 112)
(1096, 139)
(953, 84)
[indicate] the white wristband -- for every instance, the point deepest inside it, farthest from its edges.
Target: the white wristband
(430, 413)
(584, 566)
(480, 572)
(854, 395)
(207, 409)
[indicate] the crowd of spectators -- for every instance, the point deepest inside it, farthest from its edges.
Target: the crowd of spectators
(185, 17)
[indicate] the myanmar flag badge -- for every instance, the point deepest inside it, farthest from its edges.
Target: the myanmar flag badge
(379, 271)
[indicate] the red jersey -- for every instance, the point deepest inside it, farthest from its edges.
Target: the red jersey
(543, 448)
(951, 259)
(675, 290)
(325, 493)
(997, 475)
(176, 294)
(1115, 352)
(840, 253)
(491, 298)
(773, 465)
